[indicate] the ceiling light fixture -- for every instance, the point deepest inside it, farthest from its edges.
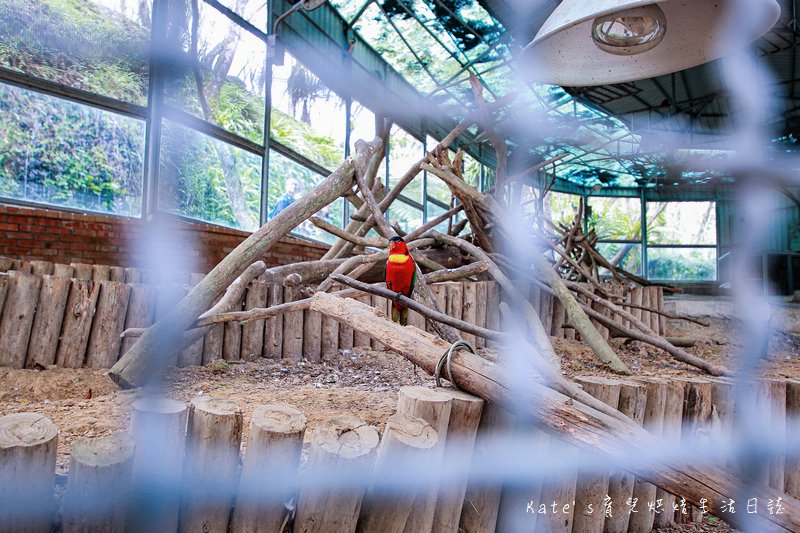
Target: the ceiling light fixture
(598, 42)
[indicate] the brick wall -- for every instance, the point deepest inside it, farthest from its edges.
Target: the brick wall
(66, 237)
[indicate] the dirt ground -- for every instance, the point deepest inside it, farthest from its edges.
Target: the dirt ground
(359, 381)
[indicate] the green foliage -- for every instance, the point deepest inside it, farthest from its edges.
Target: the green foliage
(65, 153)
(681, 264)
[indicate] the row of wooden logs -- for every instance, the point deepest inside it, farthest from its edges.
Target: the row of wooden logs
(86, 271)
(180, 470)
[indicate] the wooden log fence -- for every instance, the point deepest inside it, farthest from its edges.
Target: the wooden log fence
(206, 489)
(73, 315)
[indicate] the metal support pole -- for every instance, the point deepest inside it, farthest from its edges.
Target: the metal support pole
(155, 97)
(643, 233)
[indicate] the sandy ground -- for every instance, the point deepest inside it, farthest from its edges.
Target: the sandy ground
(361, 382)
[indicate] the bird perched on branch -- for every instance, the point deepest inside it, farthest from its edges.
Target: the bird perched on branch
(400, 276)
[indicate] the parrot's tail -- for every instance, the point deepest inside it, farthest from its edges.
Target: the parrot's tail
(400, 315)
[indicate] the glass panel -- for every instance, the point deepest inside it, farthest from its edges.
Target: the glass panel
(435, 211)
(682, 223)
(404, 152)
(253, 11)
(408, 217)
(682, 264)
(471, 170)
(232, 65)
(625, 255)
(306, 115)
(437, 188)
(362, 124)
(616, 218)
(331, 214)
(101, 46)
(488, 178)
(560, 207)
(201, 177)
(63, 153)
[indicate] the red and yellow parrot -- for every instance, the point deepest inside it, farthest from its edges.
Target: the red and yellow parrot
(400, 276)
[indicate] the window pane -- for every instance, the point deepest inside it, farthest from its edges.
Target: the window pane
(64, 153)
(436, 187)
(201, 177)
(232, 64)
(101, 46)
(471, 170)
(362, 124)
(682, 264)
(408, 217)
(306, 115)
(488, 176)
(624, 255)
(616, 218)
(404, 152)
(560, 207)
(435, 211)
(681, 223)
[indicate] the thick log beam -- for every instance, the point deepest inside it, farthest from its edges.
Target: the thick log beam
(561, 417)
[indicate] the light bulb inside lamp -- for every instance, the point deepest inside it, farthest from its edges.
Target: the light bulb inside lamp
(630, 32)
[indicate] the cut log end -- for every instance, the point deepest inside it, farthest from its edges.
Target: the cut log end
(26, 429)
(161, 406)
(411, 431)
(216, 406)
(279, 419)
(103, 451)
(346, 436)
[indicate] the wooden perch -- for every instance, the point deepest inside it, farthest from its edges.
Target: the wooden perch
(421, 309)
(563, 418)
(160, 345)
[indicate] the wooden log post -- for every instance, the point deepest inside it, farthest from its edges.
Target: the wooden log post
(521, 500)
(232, 336)
(292, 328)
(469, 314)
(159, 429)
(482, 500)
(28, 443)
(116, 273)
(792, 474)
(671, 433)
(98, 485)
(592, 487)
(253, 332)
(360, 338)
(16, 319)
(492, 308)
(192, 355)
(81, 304)
(6, 264)
(270, 465)
(559, 318)
(407, 442)
(41, 268)
(776, 392)
(330, 336)
(635, 297)
(273, 326)
(312, 335)
(632, 403)
(60, 270)
(133, 275)
(108, 324)
(101, 273)
(342, 448)
(47, 321)
(465, 416)
(662, 320)
(645, 291)
(82, 271)
(141, 309)
(382, 305)
(434, 407)
(560, 491)
(481, 295)
(213, 437)
(653, 422)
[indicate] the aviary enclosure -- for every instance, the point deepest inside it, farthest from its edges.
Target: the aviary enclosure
(195, 324)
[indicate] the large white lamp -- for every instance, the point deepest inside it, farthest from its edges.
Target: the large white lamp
(597, 42)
